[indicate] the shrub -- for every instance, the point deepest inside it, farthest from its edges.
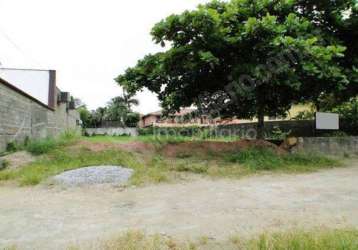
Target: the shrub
(193, 131)
(39, 147)
(69, 136)
(12, 147)
(43, 146)
(132, 119)
(3, 164)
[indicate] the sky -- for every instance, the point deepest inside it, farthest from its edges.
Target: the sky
(88, 42)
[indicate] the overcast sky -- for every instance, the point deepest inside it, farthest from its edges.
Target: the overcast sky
(88, 42)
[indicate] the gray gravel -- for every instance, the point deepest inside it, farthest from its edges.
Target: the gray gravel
(95, 175)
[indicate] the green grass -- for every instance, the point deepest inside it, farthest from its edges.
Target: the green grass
(57, 156)
(320, 239)
(63, 159)
(60, 160)
(257, 159)
(43, 146)
(302, 240)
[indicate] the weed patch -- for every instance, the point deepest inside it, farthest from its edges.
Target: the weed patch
(257, 159)
(44, 146)
(295, 240)
(301, 240)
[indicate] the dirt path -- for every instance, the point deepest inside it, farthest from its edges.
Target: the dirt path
(43, 218)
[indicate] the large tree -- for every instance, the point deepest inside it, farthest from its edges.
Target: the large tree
(251, 58)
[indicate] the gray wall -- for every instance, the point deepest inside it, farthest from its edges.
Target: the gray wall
(22, 117)
(328, 145)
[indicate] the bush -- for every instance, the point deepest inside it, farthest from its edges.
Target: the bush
(12, 147)
(39, 147)
(43, 146)
(192, 131)
(132, 119)
(3, 164)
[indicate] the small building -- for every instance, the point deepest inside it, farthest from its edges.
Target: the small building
(31, 106)
(185, 117)
(150, 119)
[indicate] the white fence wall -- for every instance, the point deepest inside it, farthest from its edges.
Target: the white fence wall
(112, 131)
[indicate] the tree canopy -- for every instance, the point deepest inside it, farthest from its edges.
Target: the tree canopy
(118, 110)
(251, 58)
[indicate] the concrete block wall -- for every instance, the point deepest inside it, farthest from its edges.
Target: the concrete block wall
(328, 145)
(21, 117)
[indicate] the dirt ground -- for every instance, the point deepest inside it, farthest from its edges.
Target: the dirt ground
(54, 218)
(18, 159)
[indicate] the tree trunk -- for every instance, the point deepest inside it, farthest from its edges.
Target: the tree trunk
(261, 125)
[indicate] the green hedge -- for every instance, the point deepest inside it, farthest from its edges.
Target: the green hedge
(176, 131)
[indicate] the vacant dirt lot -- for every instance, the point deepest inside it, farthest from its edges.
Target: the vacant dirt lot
(44, 217)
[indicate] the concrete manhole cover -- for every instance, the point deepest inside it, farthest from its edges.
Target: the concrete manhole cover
(95, 175)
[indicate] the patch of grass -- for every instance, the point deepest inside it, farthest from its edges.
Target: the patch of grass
(301, 240)
(294, 240)
(197, 168)
(153, 170)
(157, 139)
(44, 146)
(152, 167)
(4, 164)
(12, 147)
(63, 160)
(257, 159)
(135, 240)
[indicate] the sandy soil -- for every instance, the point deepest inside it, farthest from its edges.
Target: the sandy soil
(53, 218)
(19, 159)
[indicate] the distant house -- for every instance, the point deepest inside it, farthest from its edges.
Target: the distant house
(181, 118)
(150, 119)
(31, 106)
(291, 114)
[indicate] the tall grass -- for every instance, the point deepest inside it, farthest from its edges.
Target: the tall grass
(302, 240)
(257, 159)
(43, 146)
(321, 239)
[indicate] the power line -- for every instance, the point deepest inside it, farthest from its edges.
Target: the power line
(17, 47)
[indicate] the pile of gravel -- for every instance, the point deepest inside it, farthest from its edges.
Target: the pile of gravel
(95, 175)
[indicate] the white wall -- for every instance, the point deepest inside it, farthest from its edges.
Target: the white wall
(33, 82)
(112, 131)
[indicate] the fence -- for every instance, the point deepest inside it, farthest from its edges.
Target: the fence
(111, 131)
(328, 145)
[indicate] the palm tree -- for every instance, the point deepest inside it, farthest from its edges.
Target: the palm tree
(129, 100)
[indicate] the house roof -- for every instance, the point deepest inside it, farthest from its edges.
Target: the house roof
(157, 113)
(182, 112)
